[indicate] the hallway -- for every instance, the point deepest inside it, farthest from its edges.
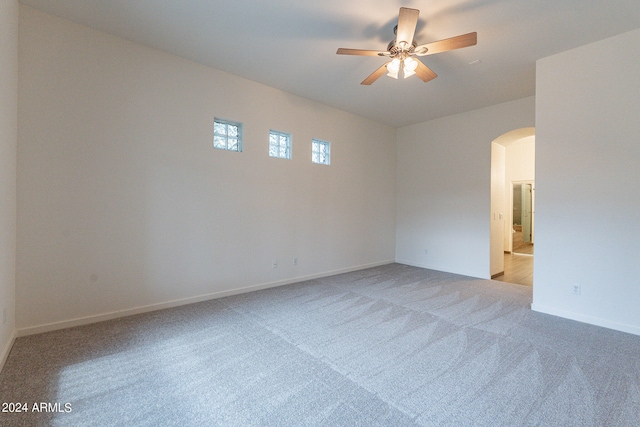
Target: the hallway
(518, 269)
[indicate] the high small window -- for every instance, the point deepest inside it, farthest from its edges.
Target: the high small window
(279, 144)
(227, 135)
(320, 152)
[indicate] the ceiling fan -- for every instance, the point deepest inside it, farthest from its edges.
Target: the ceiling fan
(403, 49)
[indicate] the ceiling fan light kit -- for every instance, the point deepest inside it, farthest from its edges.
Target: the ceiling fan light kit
(402, 50)
(410, 66)
(393, 68)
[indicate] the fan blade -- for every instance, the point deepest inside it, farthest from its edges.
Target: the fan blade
(361, 52)
(425, 73)
(407, 21)
(375, 75)
(452, 43)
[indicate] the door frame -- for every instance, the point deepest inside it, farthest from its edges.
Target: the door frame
(533, 209)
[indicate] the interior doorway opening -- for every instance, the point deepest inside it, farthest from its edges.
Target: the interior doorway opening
(512, 206)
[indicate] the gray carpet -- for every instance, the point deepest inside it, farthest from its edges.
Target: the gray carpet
(387, 346)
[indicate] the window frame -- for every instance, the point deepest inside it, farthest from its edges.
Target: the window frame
(288, 145)
(227, 124)
(318, 142)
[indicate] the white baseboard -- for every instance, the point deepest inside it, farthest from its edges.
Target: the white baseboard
(411, 263)
(31, 330)
(7, 349)
(622, 327)
(428, 267)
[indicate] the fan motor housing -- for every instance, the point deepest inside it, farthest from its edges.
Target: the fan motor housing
(395, 50)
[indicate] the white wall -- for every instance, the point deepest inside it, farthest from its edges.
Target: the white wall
(8, 142)
(588, 183)
(443, 190)
(521, 160)
(124, 204)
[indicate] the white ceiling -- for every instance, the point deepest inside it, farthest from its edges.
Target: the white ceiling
(291, 44)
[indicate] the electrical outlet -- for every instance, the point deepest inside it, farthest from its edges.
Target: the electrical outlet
(576, 289)
(275, 264)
